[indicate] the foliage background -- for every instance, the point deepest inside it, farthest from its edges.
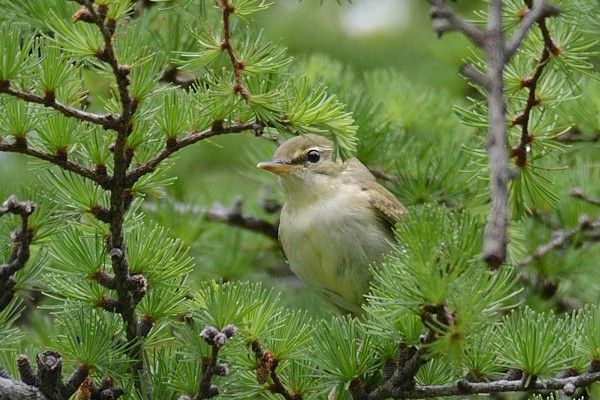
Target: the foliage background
(401, 82)
(220, 173)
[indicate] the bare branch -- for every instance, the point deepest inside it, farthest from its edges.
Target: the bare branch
(14, 390)
(229, 215)
(475, 75)
(107, 121)
(191, 138)
(495, 234)
(464, 387)
(573, 135)
(560, 238)
(179, 78)
(445, 20)
(540, 10)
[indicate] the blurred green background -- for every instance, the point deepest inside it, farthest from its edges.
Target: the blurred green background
(365, 36)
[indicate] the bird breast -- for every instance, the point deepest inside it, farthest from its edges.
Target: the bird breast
(330, 244)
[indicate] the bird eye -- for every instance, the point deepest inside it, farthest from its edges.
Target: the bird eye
(313, 156)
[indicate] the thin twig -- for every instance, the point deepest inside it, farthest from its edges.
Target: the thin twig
(194, 137)
(539, 11)
(560, 238)
(206, 389)
(211, 366)
(445, 20)
(107, 121)
(537, 14)
(267, 368)
(238, 65)
(579, 194)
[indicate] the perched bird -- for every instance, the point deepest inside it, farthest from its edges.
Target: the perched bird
(336, 220)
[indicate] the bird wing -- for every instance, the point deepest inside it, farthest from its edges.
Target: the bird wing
(385, 204)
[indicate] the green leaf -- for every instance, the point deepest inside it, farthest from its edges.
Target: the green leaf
(532, 342)
(9, 333)
(174, 120)
(312, 109)
(15, 45)
(78, 39)
(58, 134)
(18, 118)
(93, 338)
(79, 254)
(220, 305)
(162, 260)
(343, 351)
(55, 69)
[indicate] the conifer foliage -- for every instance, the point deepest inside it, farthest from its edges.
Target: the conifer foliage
(492, 285)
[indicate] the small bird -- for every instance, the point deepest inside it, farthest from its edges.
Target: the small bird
(336, 221)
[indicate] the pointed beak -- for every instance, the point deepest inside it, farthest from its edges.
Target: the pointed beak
(275, 167)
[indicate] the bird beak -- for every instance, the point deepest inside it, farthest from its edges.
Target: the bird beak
(275, 167)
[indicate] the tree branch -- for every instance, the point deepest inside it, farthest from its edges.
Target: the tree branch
(267, 368)
(463, 387)
(495, 234)
(407, 365)
(48, 378)
(14, 390)
(560, 238)
(579, 194)
(229, 215)
(211, 366)
(107, 121)
(540, 11)
(127, 296)
(537, 13)
(445, 19)
(96, 176)
(497, 55)
(20, 252)
(176, 145)
(238, 65)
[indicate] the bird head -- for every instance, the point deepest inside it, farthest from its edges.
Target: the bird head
(304, 164)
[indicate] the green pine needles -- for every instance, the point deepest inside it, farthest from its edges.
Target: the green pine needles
(114, 284)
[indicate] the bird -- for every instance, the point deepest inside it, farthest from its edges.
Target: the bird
(336, 221)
